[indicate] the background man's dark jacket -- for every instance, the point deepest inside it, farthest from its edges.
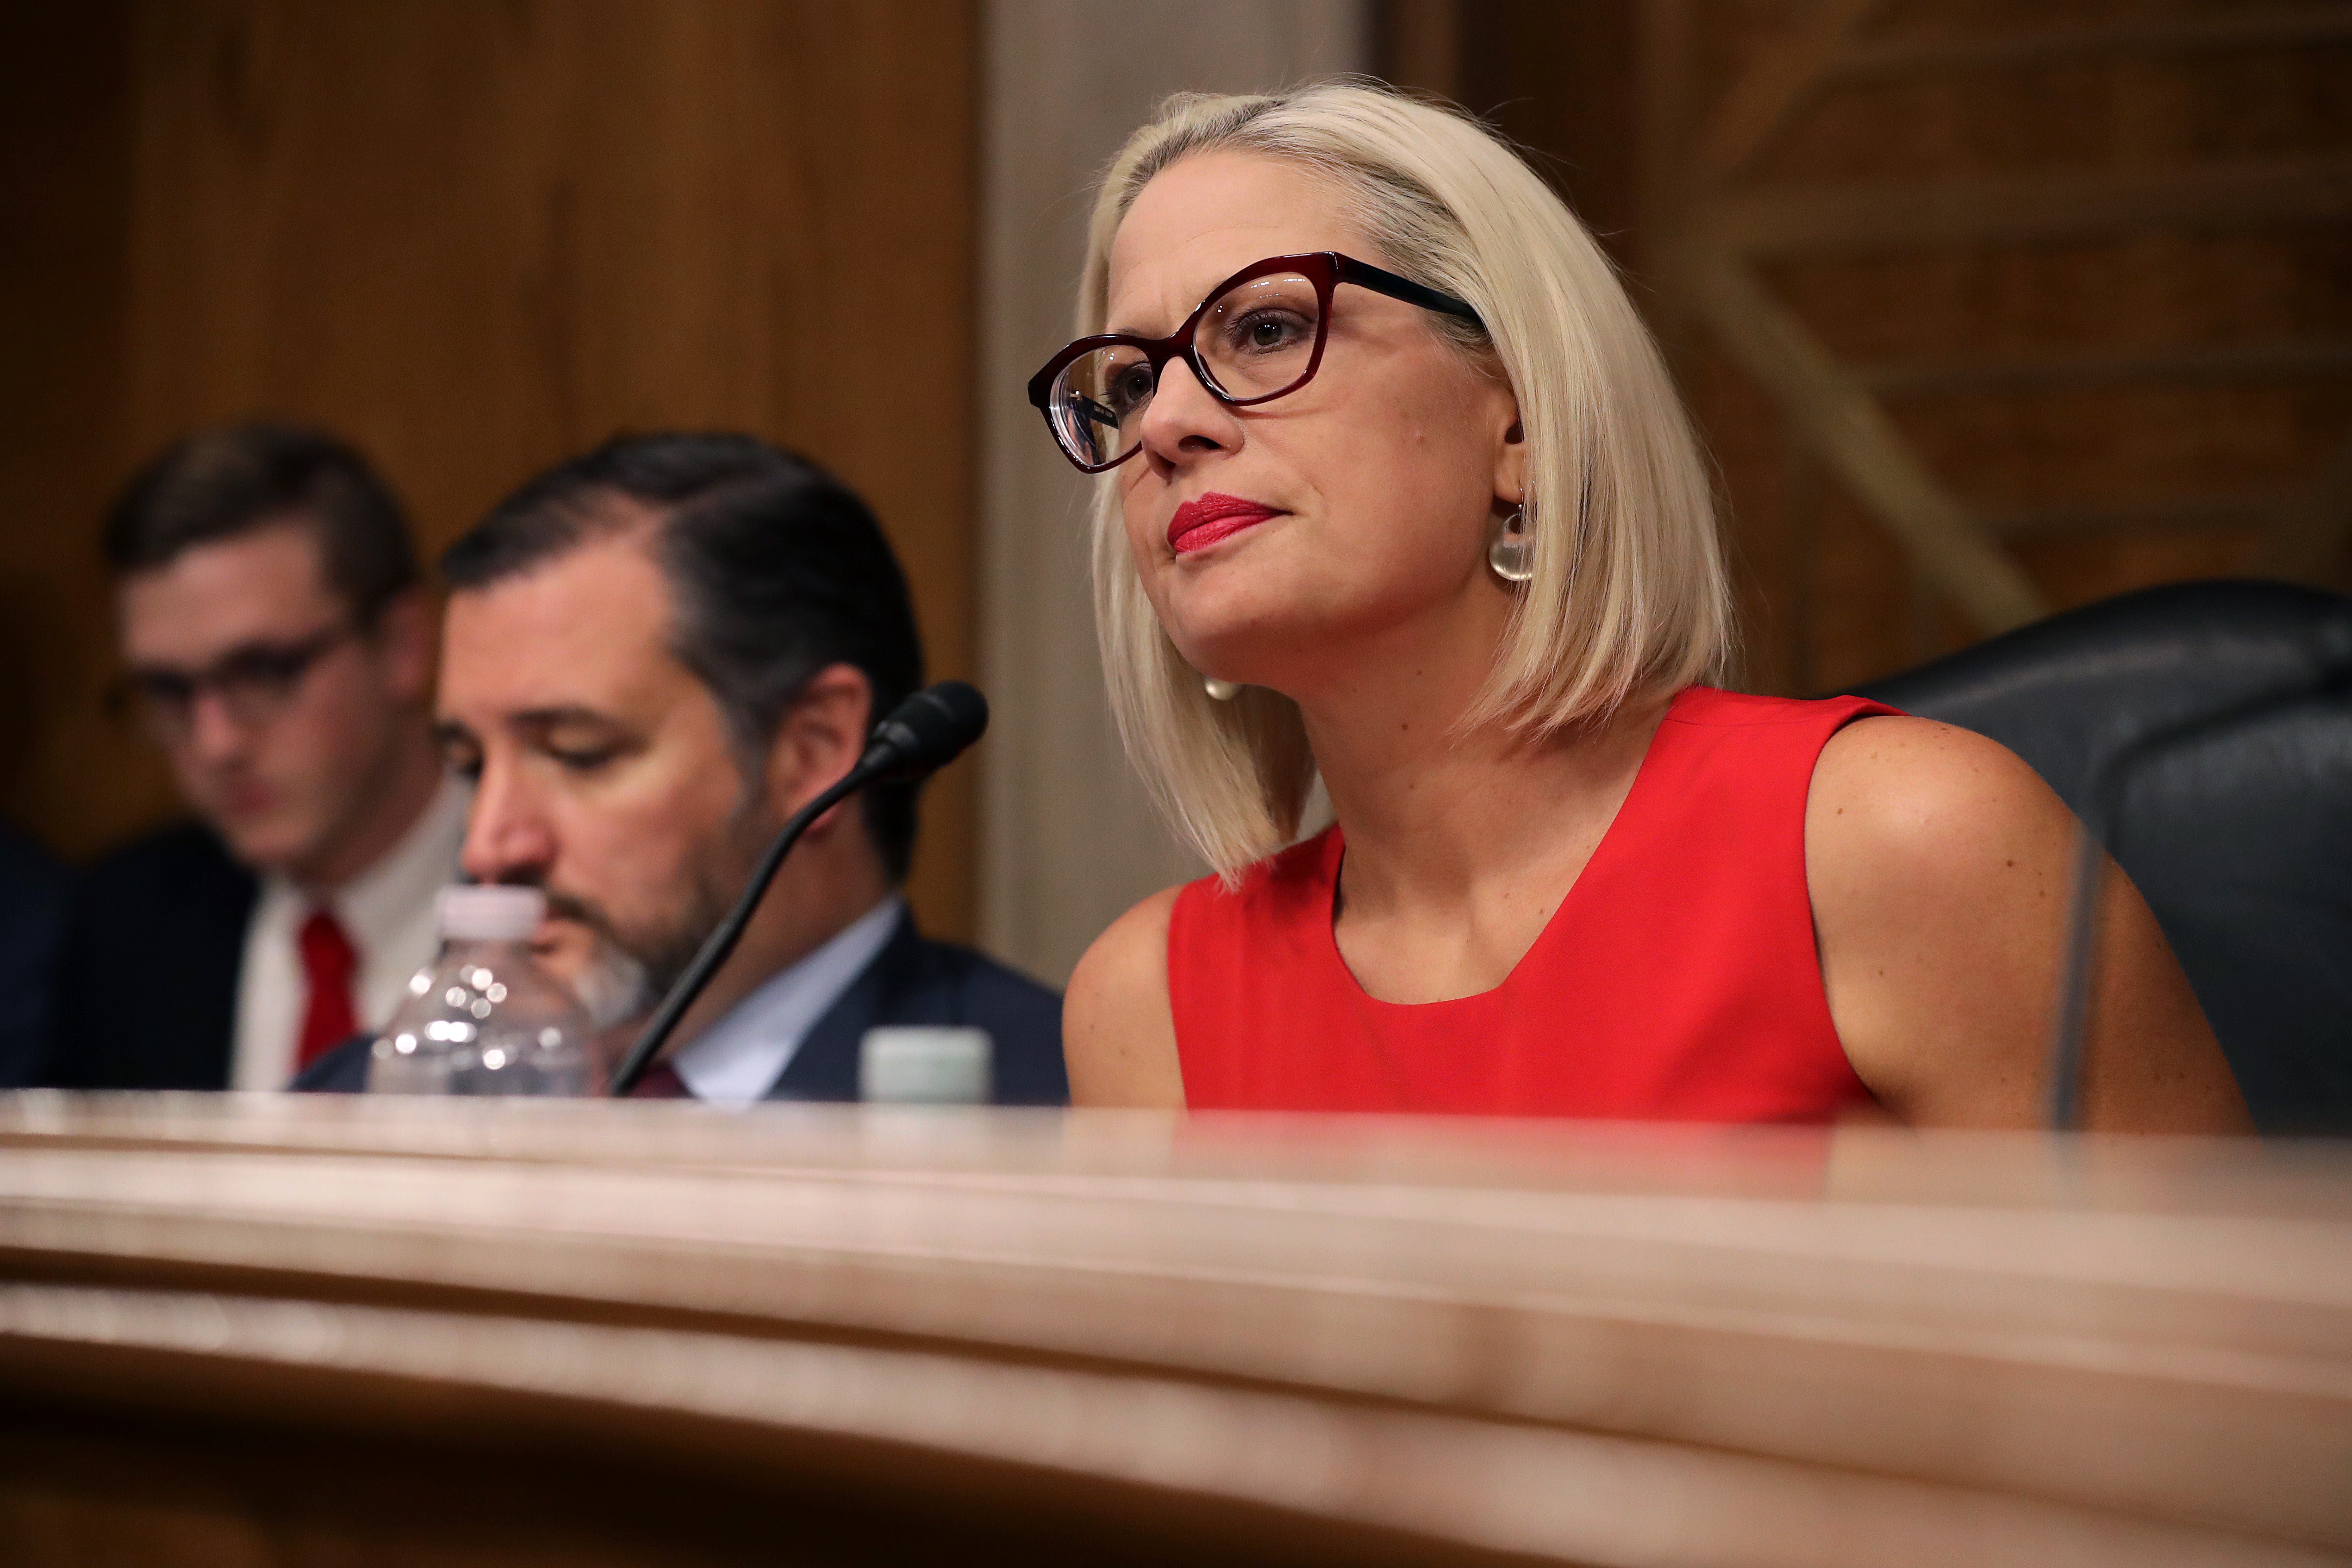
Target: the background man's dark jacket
(912, 981)
(32, 918)
(147, 967)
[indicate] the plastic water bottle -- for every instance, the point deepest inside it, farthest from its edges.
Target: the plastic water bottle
(483, 1017)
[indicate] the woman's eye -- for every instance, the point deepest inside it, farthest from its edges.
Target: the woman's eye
(582, 761)
(1265, 332)
(1131, 389)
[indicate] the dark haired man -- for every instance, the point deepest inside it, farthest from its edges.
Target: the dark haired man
(654, 655)
(280, 649)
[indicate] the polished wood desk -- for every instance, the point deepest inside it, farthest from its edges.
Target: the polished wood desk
(287, 1332)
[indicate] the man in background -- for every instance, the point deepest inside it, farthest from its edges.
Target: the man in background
(654, 655)
(279, 648)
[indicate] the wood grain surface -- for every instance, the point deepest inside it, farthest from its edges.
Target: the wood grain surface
(1245, 1338)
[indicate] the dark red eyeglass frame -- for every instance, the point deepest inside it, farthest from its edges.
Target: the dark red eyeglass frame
(1326, 269)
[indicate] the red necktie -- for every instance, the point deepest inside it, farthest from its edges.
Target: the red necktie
(328, 963)
(660, 1081)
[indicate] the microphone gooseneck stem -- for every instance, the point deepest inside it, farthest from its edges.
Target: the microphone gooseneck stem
(722, 942)
(2100, 833)
(2072, 1026)
(922, 734)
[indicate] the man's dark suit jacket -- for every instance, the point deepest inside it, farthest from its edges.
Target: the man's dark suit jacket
(147, 967)
(32, 918)
(911, 980)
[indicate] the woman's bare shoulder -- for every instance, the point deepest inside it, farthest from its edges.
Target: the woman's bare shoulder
(1937, 864)
(1941, 868)
(1898, 785)
(1118, 1032)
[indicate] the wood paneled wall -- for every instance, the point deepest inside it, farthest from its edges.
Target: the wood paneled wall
(2079, 265)
(64, 179)
(475, 238)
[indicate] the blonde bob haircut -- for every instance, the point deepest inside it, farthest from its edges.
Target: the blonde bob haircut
(1629, 595)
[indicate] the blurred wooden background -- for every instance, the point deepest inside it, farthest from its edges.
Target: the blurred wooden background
(474, 238)
(1988, 307)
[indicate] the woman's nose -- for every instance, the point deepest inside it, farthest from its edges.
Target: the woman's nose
(1183, 420)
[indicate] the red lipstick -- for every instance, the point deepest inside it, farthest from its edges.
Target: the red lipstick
(1202, 522)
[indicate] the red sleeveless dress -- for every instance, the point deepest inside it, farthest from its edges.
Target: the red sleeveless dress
(1678, 980)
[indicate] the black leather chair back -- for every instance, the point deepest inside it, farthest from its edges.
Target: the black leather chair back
(2222, 715)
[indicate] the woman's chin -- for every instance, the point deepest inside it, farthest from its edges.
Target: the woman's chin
(1257, 620)
(1251, 653)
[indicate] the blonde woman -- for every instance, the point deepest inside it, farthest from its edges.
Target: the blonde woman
(1397, 493)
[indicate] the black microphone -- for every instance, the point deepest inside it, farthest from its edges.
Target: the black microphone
(2100, 833)
(922, 734)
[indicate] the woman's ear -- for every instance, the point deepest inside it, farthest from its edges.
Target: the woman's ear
(1511, 464)
(819, 739)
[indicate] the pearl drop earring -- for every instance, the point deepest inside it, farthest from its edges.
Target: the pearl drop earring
(1511, 553)
(1219, 690)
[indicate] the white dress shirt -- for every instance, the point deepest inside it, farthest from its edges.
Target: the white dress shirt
(738, 1058)
(386, 910)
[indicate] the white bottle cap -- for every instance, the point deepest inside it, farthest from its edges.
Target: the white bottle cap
(933, 1066)
(490, 913)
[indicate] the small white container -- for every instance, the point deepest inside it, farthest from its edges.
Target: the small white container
(909, 1065)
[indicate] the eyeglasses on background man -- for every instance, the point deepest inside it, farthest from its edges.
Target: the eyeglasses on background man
(253, 683)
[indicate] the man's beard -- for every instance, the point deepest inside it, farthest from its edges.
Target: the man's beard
(625, 976)
(627, 973)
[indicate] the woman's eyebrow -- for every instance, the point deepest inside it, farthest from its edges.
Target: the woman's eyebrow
(1132, 331)
(1122, 331)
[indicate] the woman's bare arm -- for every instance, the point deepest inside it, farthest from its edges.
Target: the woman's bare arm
(1118, 1033)
(1939, 865)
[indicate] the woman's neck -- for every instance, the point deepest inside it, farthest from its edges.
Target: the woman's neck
(1434, 814)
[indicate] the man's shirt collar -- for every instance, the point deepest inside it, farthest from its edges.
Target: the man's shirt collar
(738, 1058)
